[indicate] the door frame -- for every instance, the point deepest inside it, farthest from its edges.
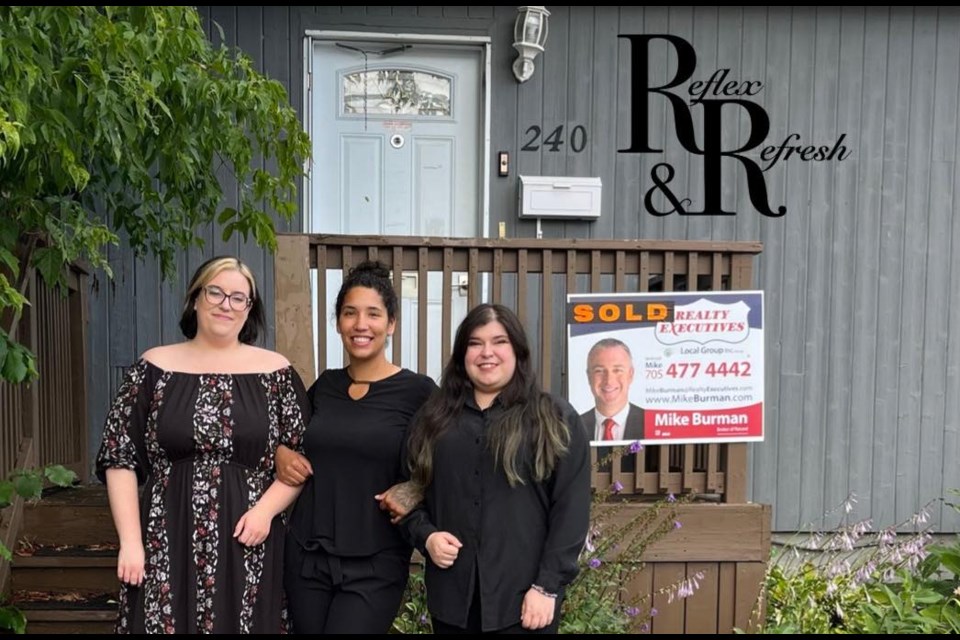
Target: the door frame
(481, 42)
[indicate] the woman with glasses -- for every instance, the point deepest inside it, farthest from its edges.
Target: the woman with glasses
(346, 564)
(197, 424)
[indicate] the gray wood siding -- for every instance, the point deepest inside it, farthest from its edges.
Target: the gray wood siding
(862, 278)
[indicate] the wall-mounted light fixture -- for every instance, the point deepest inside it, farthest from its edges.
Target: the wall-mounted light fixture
(529, 36)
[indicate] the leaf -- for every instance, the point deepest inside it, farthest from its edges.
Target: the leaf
(15, 367)
(951, 560)
(4, 342)
(28, 484)
(226, 215)
(5, 554)
(926, 596)
(953, 617)
(894, 599)
(50, 262)
(60, 475)
(9, 259)
(12, 618)
(6, 493)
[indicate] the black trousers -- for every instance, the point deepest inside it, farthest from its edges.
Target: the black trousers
(474, 624)
(335, 594)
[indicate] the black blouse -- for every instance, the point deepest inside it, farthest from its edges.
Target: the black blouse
(355, 447)
(513, 536)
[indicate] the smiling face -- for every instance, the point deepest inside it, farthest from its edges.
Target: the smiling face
(490, 361)
(223, 320)
(611, 373)
(364, 324)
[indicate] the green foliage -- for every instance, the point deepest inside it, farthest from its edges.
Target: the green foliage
(12, 619)
(28, 484)
(117, 120)
(843, 581)
(800, 601)
(413, 616)
(597, 601)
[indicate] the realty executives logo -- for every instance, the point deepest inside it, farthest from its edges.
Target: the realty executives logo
(713, 95)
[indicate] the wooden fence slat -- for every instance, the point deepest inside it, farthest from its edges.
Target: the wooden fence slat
(473, 279)
(497, 276)
(546, 319)
(701, 610)
(422, 328)
(669, 618)
(323, 314)
(522, 266)
(397, 339)
(446, 304)
(345, 268)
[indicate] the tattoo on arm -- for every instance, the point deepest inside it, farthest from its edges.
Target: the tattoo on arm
(407, 495)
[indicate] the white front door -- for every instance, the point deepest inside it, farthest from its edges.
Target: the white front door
(396, 131)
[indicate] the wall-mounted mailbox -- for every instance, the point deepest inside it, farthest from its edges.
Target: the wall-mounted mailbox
(560, 197)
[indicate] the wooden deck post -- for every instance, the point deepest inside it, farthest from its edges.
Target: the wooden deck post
(294, 317)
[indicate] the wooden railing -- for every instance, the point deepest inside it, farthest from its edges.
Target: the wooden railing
(50, 412)
(45, 421)
(532, 277)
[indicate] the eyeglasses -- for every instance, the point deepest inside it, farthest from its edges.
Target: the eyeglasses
(238, 301)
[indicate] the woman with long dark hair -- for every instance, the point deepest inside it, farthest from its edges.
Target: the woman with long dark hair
(504, 468)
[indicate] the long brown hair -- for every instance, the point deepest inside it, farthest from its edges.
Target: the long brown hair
(530, 418)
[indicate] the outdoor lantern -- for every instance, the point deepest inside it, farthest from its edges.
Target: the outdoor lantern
(529, 36)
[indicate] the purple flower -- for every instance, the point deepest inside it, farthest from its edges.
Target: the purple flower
(635, 447)
(423, 618)
(671, 498)
(632, 612)
(676, 524)
(594, 563)
(653, 612)
(617, 487)
(644, 628)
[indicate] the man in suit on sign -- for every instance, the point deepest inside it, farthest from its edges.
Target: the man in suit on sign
(610, 372)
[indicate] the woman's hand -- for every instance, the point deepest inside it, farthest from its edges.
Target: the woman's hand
(253, 527)
(130, 563)
(443, 548)
(537, 610)
(399, 500)
(293, 469)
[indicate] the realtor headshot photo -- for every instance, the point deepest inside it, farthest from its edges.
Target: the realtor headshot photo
(610, 373)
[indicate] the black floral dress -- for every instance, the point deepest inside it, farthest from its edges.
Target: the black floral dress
(203, 447)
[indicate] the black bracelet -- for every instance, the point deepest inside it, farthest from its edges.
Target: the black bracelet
(543, 591)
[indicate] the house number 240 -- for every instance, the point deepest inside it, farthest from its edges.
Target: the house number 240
(553, 141)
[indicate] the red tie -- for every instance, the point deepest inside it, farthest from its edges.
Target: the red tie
(608, 426)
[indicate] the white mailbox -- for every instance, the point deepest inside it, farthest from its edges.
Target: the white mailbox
(560, 197)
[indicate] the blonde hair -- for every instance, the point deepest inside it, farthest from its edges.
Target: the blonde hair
(210, 270)
(256, 323)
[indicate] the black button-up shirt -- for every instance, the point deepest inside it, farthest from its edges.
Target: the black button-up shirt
(512, 536)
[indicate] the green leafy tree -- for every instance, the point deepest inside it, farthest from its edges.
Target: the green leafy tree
(119, 118)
